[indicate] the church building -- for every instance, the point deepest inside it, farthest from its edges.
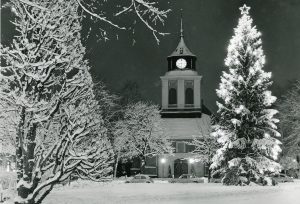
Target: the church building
(184, 116)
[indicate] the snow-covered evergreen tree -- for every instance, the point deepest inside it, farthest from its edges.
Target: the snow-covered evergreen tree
(247, 128)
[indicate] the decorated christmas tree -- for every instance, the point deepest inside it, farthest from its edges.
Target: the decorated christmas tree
(247, 128)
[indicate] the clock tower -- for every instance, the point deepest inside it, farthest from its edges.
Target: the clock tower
(181, 95)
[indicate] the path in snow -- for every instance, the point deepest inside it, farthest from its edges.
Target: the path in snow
(286, 193)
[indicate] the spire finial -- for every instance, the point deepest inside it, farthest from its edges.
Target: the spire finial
(244, 9)
(181, 26)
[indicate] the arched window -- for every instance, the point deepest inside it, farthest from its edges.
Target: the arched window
(172, 96)
(189, 96)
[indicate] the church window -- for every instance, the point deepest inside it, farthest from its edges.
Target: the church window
(189, 96)
(180, 147)
(181, 51)
(172, 96)
(151, 161)
(172, 93)
(174, 146)
(190, 148)
(189, 93)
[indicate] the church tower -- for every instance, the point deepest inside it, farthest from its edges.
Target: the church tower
(183, 115)
(181, 85)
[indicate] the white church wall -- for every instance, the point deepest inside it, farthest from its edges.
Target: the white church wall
(165, 161)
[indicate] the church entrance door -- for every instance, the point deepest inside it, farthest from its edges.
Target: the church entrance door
(180, 167)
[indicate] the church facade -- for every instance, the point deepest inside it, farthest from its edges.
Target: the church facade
(183, 115)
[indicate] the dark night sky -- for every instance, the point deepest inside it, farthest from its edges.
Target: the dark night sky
(208, 27)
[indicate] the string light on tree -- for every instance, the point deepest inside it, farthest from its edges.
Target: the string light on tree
(247, 128)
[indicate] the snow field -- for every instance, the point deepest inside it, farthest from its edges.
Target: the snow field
(116, 192)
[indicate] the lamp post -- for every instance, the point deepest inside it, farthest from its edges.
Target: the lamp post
(163, 161)
(192, 161)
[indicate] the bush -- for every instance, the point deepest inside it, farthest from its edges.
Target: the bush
(269, 181)
(234, 177)
(231, 177)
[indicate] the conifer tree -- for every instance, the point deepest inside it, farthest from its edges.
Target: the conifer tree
(247, 128)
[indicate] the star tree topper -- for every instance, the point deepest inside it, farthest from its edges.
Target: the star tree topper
(245, 9)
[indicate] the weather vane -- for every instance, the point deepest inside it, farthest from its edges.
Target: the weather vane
(245, 9)
(181, 26)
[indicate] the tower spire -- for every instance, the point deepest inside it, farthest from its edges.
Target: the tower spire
(181, 49)
(181, 26)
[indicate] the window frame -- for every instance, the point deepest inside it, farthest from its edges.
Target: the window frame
(177, 147)
(189, 86)
(173, 86)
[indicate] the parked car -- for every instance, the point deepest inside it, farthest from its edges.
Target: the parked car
(140, 178)
(215, 180)
(187, 178)
(282, 178)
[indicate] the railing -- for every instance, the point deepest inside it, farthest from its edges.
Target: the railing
(172, 105)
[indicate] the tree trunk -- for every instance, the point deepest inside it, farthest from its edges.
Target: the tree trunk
(29, 161)
(143, 164)
(39, 201)
(116, 166)
(27, 164)
(23, 192)
(19, 145)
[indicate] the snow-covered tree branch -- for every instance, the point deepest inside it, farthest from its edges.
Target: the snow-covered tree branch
(145, 11)
(46, 88)
(140, 133)
(289, 107)
(47, 102)
(205, 148)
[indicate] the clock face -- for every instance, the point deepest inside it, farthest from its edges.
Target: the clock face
(181, 63)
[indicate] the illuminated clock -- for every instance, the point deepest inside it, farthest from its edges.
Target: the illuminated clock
(181, 63)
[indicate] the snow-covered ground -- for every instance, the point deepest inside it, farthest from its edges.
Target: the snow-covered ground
(286, 193)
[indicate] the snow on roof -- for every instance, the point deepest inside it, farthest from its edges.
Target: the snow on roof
(186, 128)
(186, 72)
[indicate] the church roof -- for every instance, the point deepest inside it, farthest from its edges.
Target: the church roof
(186, 128)
(182, 49)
